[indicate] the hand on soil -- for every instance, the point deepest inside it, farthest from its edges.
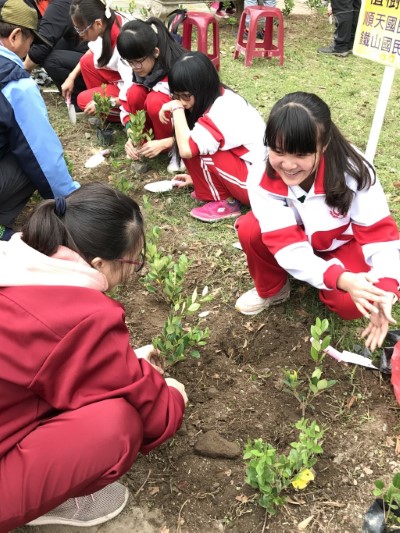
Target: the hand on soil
(131, 151)
(151, 355)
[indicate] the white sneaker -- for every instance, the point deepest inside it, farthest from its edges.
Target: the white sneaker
(87, 511)
(250, 303)
(174, 166)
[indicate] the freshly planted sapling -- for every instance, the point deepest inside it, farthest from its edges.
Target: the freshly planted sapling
(103, 107)
(391, 499)
(273, 473)
(177, 338)
(306, 392)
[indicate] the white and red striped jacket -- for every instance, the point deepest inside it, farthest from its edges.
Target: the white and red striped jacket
(295, 226)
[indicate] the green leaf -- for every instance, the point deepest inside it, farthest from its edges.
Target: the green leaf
(396, 481)
(379, 484)
(322, 384)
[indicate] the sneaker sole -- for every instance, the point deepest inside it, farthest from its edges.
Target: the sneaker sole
(203, 219)
(48, 520)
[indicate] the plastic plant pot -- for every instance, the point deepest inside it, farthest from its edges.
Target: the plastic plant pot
(374, 519)
(104, 137)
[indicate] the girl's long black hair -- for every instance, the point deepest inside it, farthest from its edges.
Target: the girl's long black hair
(86, 12)
(139, 38)
(300, 123)
(194, 73)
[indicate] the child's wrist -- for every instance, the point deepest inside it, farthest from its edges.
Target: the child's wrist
(176, 106)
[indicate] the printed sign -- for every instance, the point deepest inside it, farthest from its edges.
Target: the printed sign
(378, 32)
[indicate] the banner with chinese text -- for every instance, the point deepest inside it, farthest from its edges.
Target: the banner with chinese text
(378, 32)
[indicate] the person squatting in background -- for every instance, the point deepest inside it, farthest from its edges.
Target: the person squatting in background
(218, 134)
(320, 214)
(100, 26)
(64, 47)
(149, 50)
(79, 403)
(28, 161)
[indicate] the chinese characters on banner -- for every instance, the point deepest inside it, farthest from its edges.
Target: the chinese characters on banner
(378, 32)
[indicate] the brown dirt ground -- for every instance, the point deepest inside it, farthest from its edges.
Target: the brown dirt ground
(235, 389)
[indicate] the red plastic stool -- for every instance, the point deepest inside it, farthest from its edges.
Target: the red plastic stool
(202, 21)
(266, 48)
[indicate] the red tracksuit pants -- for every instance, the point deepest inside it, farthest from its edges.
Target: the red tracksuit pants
(138, 97)
(94, 78)
(219, 176)
(73, 454)
(269, 277)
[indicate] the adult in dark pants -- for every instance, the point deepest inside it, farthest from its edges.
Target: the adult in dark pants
(65, 47)
(346, 14)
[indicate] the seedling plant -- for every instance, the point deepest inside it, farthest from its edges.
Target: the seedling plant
(136, 129)
(391, 499)
(273, 473)
(103, 107)
(306, 391)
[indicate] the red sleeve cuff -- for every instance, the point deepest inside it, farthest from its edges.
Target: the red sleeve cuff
(331, 276)
(389, 285)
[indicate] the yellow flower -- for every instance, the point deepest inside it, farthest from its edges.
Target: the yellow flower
(302, 479)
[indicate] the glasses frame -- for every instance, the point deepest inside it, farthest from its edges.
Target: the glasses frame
(134, 62)
(82, 32)
(138, 263)
(186, 96)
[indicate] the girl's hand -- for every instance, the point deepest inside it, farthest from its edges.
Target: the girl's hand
(362, 291)
(67, 87)
(165, 111)
(378, 326)
(171, 382)
(131, 151)
(182, 180)
(152, 148)
(90, 108)
(151, 355)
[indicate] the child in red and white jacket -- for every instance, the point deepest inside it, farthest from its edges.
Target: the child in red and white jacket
(100, 26)
(319, 214)
(77, 403)
(149, 50)
(219, 136)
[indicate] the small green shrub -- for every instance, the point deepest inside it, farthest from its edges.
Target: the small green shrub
(272, 473)
(103, 107)
(306, 392)
(136, 129)
(176, 338)
(288, 7)
(390, 497)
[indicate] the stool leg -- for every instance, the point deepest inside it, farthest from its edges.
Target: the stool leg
(187, 36)
(269, 28)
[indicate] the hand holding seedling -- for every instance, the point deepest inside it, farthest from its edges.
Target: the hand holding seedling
(90, 108)
(364, 294)
(131, 151)
(151, 355)
(152, 149)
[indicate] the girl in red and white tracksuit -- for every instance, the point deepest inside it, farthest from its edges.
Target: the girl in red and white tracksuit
(77, 403)
(150, 50)
(319, 214)
(96, 23)
(218, 135)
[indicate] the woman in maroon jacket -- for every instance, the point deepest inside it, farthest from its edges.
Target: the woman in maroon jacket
(77, 403)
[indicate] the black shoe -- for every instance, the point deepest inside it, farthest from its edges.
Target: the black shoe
(330, 50)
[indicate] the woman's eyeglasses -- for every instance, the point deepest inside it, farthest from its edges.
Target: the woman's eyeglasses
(82, 32)
(134, 62)
(181, 96)
(138, 264)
